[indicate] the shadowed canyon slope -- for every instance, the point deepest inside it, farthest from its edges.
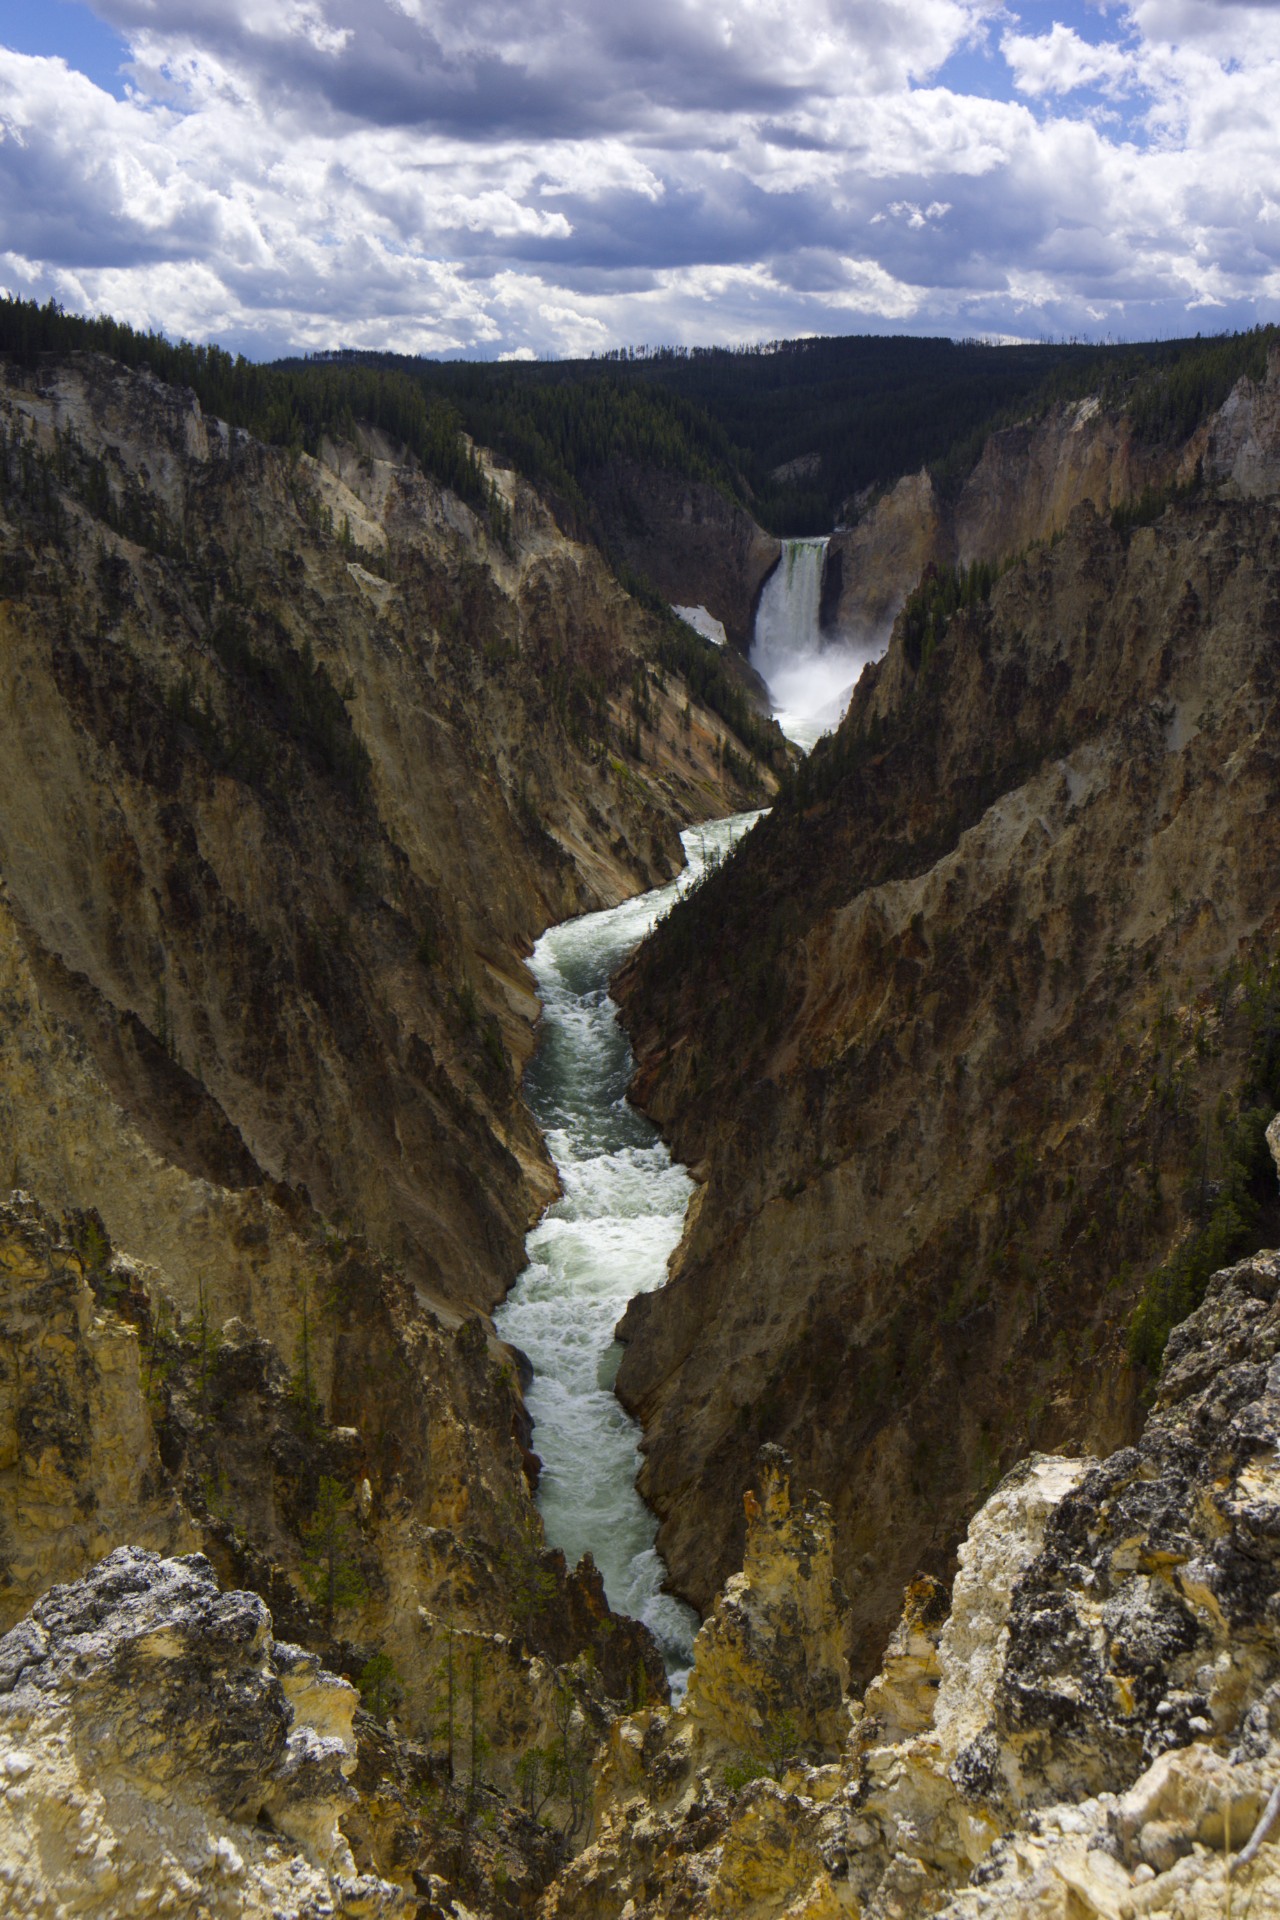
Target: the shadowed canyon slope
(980, 1027)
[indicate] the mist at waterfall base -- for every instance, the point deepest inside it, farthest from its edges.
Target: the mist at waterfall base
(609, 1237)
(809, 678)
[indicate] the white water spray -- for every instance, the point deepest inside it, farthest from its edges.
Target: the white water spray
(809, 677)
(609, 1237)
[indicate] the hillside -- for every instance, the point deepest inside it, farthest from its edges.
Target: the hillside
(973, 1040)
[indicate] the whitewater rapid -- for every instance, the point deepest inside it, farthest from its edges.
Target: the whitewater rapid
(608, 1238)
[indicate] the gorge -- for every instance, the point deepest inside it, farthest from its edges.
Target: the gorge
(337, 795)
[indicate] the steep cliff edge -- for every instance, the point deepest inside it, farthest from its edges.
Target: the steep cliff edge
(697, 546)
(971, 1058)
(1026, 484)
(1087, 1724)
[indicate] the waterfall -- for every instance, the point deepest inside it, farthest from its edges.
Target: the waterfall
(809, 676)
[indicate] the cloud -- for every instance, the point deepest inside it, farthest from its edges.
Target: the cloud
(1060, 62)
(555, 177)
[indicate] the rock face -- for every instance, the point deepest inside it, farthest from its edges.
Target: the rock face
(68, 1375)
(297, 761)
(1092, 1729)
(769, 1668)
(297, 757)
(120, 1421)
(697, 547)
(1027, 483)
(967, 1054)
(871, 568)
(151, 1728)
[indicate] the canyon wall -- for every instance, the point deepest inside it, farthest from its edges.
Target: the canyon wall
(1085, 1722)
(696, 546)
(971, 1057)
(1028, 481)
(297, 758)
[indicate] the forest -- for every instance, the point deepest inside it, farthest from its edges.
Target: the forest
(801, 432)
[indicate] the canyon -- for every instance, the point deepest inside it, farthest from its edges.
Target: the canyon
(299, 755)
(958, 1404)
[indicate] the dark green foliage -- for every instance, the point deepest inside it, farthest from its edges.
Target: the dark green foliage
(381, 1688)
(294, 405)
(291, 686)
(941, 593)
(272, 690)
(1151, 504)
(858, 411)
(1190, 380)
(710, 680)
(333, 1578)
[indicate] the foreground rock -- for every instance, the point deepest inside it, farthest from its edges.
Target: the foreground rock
(160, 1752)
(120, 1422)
(1090, 1730)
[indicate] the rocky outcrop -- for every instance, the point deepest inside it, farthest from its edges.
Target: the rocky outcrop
(1090, 1728)
(769, 1672)
(160, 1751)
(693, 543)
(1240, 446)
(1028, 481)
(79, 1467)
(967, 1055)
(387, 1521)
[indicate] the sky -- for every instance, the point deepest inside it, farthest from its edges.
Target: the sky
(529, 178)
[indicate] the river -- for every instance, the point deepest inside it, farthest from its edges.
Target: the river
(609, 1237)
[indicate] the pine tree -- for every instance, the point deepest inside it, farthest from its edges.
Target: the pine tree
(333, 1578)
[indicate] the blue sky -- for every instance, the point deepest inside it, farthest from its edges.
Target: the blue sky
(526, 177)
(69, 30)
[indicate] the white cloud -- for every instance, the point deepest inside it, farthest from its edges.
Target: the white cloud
(538, 177)
(1060, 61)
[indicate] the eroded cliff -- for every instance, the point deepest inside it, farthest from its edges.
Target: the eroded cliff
(696, 545)
(1027, 482)
(971, 1059)
(298, 759)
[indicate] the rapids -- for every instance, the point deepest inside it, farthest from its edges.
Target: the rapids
(608, 1237)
